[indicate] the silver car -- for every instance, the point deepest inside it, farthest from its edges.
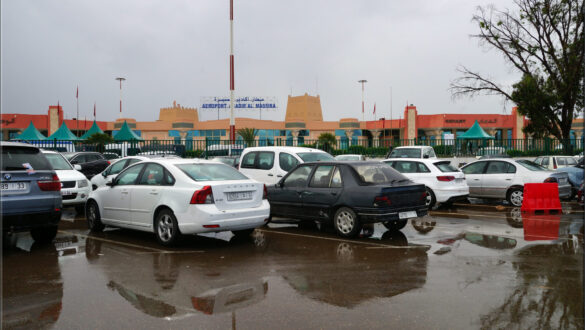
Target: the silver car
(505, 178)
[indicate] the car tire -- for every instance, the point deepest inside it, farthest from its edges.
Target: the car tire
(80, 209)
(515, 196)
(431, 200)
(44, 235)
(395, 225)
(243, 233)
(94, 220)
(166, 228)
(346, 222)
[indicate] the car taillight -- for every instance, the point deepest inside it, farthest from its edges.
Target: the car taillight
(53, 185)
(550, 180)
(445, 178)
(202, 196)
(265, 194)
(382, 201)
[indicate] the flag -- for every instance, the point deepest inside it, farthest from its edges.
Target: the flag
(374, 108)
(77, 93)
(362, 107)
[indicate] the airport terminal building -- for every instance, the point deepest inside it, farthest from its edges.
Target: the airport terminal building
(303, 121)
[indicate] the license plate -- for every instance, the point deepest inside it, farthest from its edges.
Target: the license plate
(13, 186)
(407, 215)
(66, 192)
(239, 196)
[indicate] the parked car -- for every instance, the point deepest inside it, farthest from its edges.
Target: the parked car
(30, 192)
(348, 195)
(350, 157)
(111, 171)
(491, 151)
(172, 197)
(270, 164)
(505, 178)
(413, 152)
(575, 174)
(233, 161)
(444, 183)
(110, 155)
(91, 163)
(75, 187)
(554, 162)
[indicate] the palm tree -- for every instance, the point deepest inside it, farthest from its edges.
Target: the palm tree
(248, 135)
(327, 141)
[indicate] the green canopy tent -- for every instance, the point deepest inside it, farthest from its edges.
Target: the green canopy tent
(92, 130)
(475, 133)
(30, 133)
(63, 133)
(475, 136)
(126, 134)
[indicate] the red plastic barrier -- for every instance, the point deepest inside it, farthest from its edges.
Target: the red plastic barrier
(541, 197)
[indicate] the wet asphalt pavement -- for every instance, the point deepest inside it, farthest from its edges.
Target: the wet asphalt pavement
(470, 266)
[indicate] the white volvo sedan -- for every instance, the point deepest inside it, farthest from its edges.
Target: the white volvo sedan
(171, 197)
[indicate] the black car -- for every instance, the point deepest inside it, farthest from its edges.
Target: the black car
(348, 194)
(91, 163)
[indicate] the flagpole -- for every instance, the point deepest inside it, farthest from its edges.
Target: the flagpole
(391, 134)
(77, 116)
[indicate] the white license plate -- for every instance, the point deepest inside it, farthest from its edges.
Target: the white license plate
(407, 215)
(66, 192)
(239, 196)
(13, 186)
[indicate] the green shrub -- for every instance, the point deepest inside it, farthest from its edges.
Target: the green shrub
(444, 150)
(194, 153)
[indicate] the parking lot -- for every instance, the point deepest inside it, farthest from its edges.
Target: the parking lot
(467, 266)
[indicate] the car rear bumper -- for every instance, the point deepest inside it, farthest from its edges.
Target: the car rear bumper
(565, 190)
(383, 215)
(28, 221)
(448, 194)
(198, 216)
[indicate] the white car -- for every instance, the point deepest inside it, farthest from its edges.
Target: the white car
(504, 178)
(171, 197)
(413, 152)
(490, 151)
(111, 171)
(75, 187)
(445, 183)
(350, 157)
(554, 162)
(270, 164)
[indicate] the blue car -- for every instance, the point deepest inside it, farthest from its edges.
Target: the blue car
(575, 176)
(30, 192)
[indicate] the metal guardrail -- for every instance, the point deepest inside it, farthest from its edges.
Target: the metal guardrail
(211, 147)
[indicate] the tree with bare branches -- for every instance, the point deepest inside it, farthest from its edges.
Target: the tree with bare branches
(544, 41)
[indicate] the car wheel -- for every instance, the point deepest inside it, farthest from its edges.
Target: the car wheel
(346, 222)
(431, 200)
(243, 233)
(44, 235)
(395, 225)
(80, 209)
(166, 228)
(94, 220)
(515, 196)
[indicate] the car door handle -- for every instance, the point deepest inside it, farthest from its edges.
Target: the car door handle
(333, 193)
(269, 174)
(125, 192)
(154, 192)
(475, 179)
(508, 179)
(279, 176)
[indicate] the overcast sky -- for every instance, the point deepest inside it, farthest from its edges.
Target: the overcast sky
(179, 50)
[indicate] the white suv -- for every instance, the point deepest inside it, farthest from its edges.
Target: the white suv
(75, 187)
(270, 164)
(413, 152)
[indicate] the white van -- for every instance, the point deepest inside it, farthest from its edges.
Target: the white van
(270, 164)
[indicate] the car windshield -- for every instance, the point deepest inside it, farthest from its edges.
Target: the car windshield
(23, 158)
(315, 156)
(347, 157)
(532, 166)
(378, 173)
(405, 153)
(446, 166)
(211, 172)
(58, 162)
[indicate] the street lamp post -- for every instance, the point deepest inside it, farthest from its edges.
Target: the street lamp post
(363, 81)
(232, 84)
(120, 79)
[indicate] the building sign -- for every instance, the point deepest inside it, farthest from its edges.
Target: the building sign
(240, 103)
(454, 121)
(461, 121)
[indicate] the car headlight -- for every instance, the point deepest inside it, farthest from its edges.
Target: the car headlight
(82, 183)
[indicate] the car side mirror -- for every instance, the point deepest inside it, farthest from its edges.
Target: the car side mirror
(77, 167)
(104, 174)
(278, 185)
(426, 156)
(110, 183)
(73, 162)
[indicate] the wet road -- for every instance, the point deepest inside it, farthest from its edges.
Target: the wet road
(470, 266)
